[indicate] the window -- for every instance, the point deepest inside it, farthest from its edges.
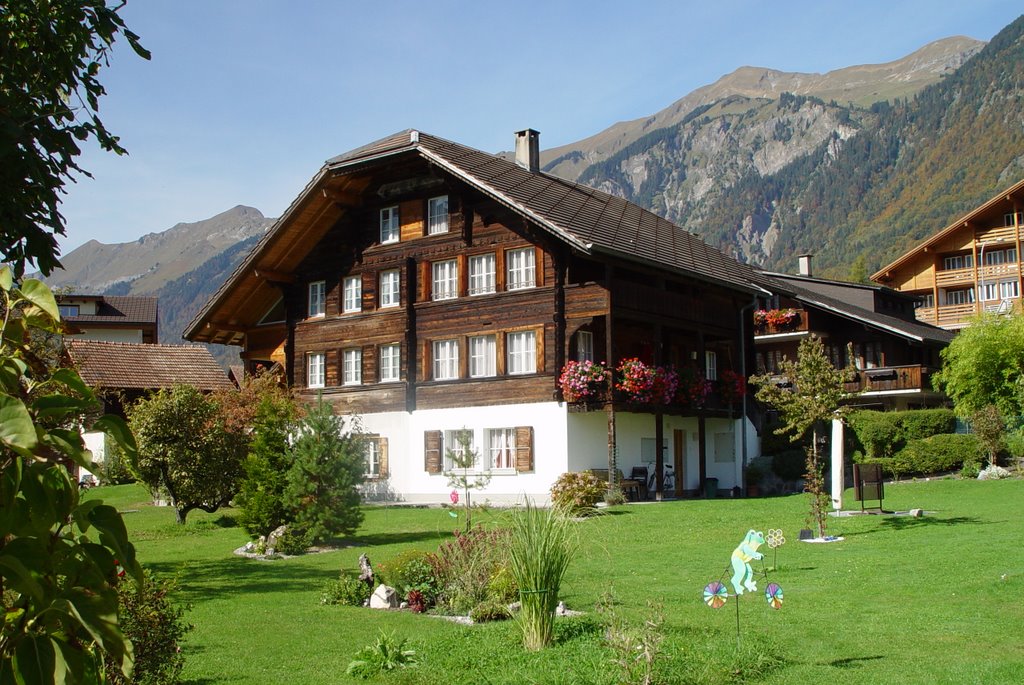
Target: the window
(960, 296)
(352, 290)
(352, 366)
(501, 448)
(458, 446)
(316, 298)
(372, 462)
(1009, 290)
(1008, 219)
(390, 358)
(989, 292)
(584, 346)
(389, 225)
(997, 257)
(1002, 290)
(521, 269)
(315, 370)
(437, 215)
(68, 310)
(482, 356)
(522, 356)
(446, 360)
(927, 300)
(960, 261)
(711, 365)
(446, 280)
(481, 274)
(389, 290)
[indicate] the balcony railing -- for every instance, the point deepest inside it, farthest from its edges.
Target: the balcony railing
(947, 315)
(891, 379)
(798, 325)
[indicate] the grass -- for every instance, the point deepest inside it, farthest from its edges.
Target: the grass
(933, 600)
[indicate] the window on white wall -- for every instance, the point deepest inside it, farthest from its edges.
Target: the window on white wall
(725, 448)
(456, 444)
(501, 448)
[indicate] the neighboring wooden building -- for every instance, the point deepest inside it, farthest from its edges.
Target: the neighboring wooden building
(893, 353)
(429, 287)
(974, 264)
(113, 318)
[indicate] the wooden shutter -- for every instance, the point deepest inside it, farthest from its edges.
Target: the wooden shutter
(524, 448)
(432, 462)
(382, 452)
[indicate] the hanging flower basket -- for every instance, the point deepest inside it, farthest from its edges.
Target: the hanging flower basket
(732, 386)
(583, 381)
(780, 318)
(694, 388)
(645, 384)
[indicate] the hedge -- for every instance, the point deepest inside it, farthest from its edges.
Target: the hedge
(926, 456)
(881, 435)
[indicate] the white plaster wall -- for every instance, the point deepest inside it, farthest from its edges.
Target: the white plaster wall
(587, 440)
(126, 335)
(410, 482)
(95, 442)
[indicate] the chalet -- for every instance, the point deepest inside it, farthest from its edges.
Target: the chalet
(114, 318)
(431, 288)
(970, 266)
(893, 353)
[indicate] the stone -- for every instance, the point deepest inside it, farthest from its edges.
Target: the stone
(365, 570)
(272, 539)
(917, 513)
(384, 597)
(560, 610)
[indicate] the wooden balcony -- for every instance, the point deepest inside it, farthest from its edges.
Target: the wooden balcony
(947, 315)
(954, 277)
(797, 326)
(891, 379)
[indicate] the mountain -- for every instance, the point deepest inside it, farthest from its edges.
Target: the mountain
(861, 85)
(182, 265)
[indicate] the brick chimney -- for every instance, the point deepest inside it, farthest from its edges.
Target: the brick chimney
(528, 149)
(805, 265)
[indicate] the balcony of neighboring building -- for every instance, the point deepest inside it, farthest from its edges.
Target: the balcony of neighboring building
(911, 378)
(780, 324)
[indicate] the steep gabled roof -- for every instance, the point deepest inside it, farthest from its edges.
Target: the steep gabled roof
(591, 221)
(820, 293)
(132, 366)
(974, 215)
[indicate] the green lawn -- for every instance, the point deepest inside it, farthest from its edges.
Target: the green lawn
(933, 600)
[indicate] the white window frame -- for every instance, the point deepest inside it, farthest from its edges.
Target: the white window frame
(483, 356)
(390, 363)
(390, 288)
(352, 294)
(437, 215)
(352, 366)
(520, 268)
(316, 369)
(390, 229)
(317, 302)
(482, 273)
(445, 363)
(66, 310)
(1000, 257)
(1009, 290)
(959, 261)
(989, 291)
(450, 441)
(521, 352)
(444, 280)
(501, 449)
(711, 365)
(960, 296)
(584, 346)
(372, 460)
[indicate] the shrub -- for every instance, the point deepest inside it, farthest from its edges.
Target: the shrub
(882, 435)
(540, 548)
(294, 541)
(937, 454)
(416, 601)
(614, 496)
(116, 469)
(490, 610)
(155, 626)
(411, 570)
(970, 470)
(346, 590)
(502, 586)
(924, 423)
(577, 491)
(465, 566)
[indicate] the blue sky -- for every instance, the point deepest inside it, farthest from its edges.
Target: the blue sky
(244, 99)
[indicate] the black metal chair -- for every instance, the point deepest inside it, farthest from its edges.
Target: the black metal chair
(639, 474)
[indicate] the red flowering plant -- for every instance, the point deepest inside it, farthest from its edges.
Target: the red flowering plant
(732, 386)
(694, 388)
(582, 381)
(781, 317)
(645, 384)
(760, 317)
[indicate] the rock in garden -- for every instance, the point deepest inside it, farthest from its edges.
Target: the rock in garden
(384, 597)
(365, 570)
(917, 513)
(272, 539)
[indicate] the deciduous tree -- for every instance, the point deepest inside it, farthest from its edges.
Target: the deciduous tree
(187, 450)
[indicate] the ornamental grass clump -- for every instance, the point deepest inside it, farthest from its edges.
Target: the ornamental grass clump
(542, 544)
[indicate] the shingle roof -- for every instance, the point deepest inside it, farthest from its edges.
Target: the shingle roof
(119, 309)
(803, 289)
(145, 367)
(589, 219)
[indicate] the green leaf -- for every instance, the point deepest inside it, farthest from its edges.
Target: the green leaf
(71, 379)
(39, 294)
(6, 278)
(17, 430)
(59, 406)
(82, 511)
(69, 443)
(116, 428)
(114, 536)
(19, 576)
(98, 615)
(35, 661)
